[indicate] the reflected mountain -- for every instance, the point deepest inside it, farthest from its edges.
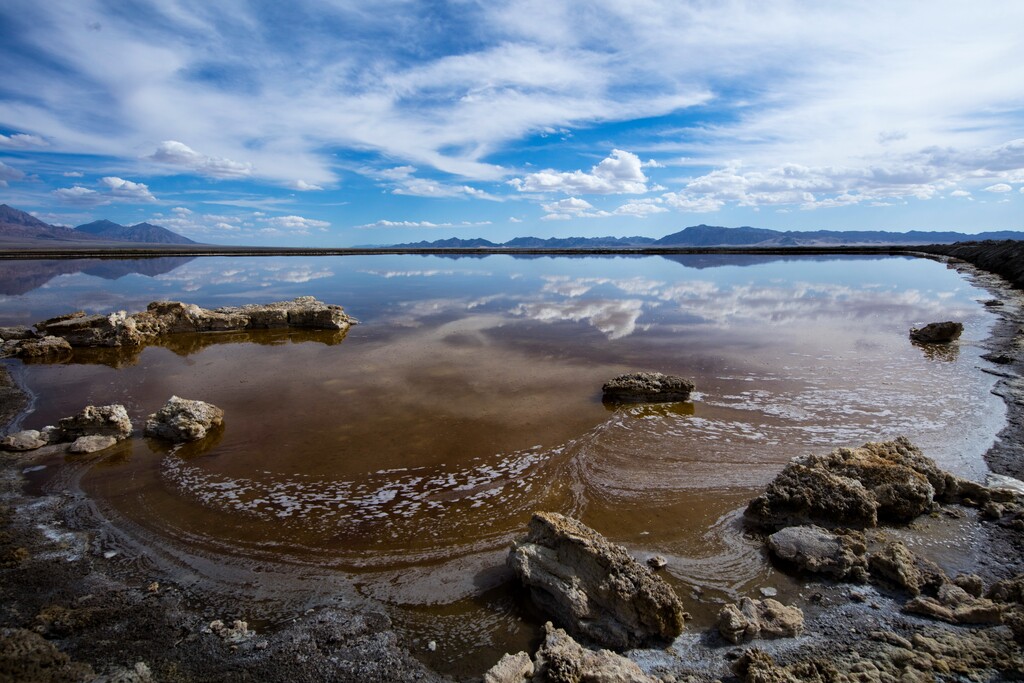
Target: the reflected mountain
(702, 261)
(21, 277)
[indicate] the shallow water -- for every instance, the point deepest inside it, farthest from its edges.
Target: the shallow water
(396, 462)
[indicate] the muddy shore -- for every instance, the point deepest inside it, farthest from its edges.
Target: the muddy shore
(70, 612)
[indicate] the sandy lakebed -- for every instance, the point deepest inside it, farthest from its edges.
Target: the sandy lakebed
(70, 610)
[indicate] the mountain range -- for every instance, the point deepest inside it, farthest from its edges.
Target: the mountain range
(18, 227)
(717, 236)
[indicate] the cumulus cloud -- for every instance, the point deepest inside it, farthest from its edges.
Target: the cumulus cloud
(297, 223)
(959, 193)
(619, 173)
(419, 224)
(80, 196)
(21, 141)
(403, 182)
(303, 186)
(9, 173)
(999, 187)
(179, 154)
(127, 190)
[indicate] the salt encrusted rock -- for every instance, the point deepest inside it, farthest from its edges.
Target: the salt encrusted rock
(171, 317)
(593, 587)
(26, 440)
(109, 420)
(856, 487)
(181, 420)
(16, 332)
(897, 565)
(1008, 590)
(957, 606)
(972, 583)
(562, 660)
(92, 443)
(517, 668)
(819, 551)
(749, 619)
(937, 333)
(43, 347)
(647, 387)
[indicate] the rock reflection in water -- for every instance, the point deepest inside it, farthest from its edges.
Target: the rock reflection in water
(403, 458)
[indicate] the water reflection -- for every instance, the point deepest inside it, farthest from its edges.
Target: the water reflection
(23, 276)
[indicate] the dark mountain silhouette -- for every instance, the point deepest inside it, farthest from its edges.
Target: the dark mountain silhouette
(19, 227)
(141, 232)
(19, 277)
(716, 236)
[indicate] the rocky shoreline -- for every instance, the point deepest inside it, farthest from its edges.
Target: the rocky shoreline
(71, 613)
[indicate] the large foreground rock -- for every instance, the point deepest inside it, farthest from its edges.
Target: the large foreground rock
(109, 420)
(819, 551)
(937, 333)
(751, 619)
(561, 659)
(171, 317)
(647, 387)
(181, 420)
(592, 587)
(857, 487)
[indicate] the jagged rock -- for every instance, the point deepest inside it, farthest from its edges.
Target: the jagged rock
(751, 619)
(593, 587)
(819, 551)
(657, 562)
(647, 387)
(972, 583)
(896, 564)
(937, 333)
(998, 358)
(517, 668)
(1008, 590)
(26, 440)
(27, 656)
(109, 420)
(757, 666)
(16, 332)
(561, 659)
(43, 347)
(172, 317)
(92, 443)
(957, 606)
(182, 420)
(236, 633)
(856, 487)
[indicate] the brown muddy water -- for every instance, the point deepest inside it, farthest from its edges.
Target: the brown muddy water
(395, 463)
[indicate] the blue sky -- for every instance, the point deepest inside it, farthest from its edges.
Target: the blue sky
(340, 123)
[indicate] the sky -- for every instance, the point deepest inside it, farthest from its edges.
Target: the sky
(344, 122)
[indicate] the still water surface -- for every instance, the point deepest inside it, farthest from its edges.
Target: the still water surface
(396, 462)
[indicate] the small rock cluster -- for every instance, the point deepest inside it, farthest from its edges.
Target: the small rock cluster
(55, 338)
(646, 387)
(97, 428)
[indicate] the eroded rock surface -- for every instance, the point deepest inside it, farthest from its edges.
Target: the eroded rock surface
(647, 387)
(561, 659)
(857, 487)
(25, 440)
(819, 551)
(749, 619)
(592, 587)
(92, 443)
(48, 348)
(109, 420)
(937, 333)
(181, 420)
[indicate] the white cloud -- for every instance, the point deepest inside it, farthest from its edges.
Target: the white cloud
(127, 190)
(513, 219)
(403, 182)
(692, 204)
(999, 187)
(73, 174)
(181, 211)
(80, 196)
(303, 186)
(640, 208)
(9, 173)
(420, 224)
(179, 154)
(620, 173)
(959, 193)
(21, 141)
(297, 223)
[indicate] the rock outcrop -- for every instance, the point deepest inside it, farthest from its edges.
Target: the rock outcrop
(592, 587)
(937, 333)
(561, 659)
(857, 487)
(647, 387)
(57, 336)
(751, 619)
(897, 565)
(955, 605)
(25, 440)
(181, 420)
(819, 551)
(92, 443)
(109, 420)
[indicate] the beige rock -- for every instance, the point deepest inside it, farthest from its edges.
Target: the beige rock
(517, 668)
(593, 587)
(181, 420)
(26, 440)
(749, 619)
(44, 348)
(92, 443)
(562, 660)
(647, 387)
(957, 606)
(109, 420)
